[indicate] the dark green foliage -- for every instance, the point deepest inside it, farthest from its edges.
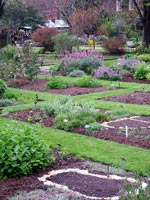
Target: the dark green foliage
(87, 81)
(56, 82)
(22, 151)
(2, 88)
(64, 42)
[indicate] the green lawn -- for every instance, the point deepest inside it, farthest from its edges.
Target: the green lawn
(137, 159)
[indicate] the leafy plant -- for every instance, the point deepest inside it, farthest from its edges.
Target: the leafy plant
(87, 81)
(93, 128)
(22, 151)
(69, 115)
(77, 73)
(141, 193)
(108, 74)
(86, 61)
(3, 88)
(64, 42)
(142, 72)
(29, 65)
(44, 37)
(144, 57)
(56, 82)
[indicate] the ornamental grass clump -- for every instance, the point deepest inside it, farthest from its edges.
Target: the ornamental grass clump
(22, 151)
(108, 74)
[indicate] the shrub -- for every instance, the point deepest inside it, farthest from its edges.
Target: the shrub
(2, 88)
(64, 42)
(113, 46)
(56, 82)
(77, 73)
(144, 57)
(128, 64)
(69, 115)
(29, 62)
(108, 73)
(93, 128)
(44, 37)
(142, 72)
(87, 81)
(86, 61)
(22, 151)
(9, 62)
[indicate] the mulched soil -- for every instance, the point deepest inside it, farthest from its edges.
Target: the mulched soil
(91, 186)
(134, 98)
(39, 85)
(140, 137)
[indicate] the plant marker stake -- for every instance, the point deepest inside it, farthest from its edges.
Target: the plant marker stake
(108, 171)
(126, 131)
(123, 164)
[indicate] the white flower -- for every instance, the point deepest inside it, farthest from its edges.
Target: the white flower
(65, 120)
(87, 126)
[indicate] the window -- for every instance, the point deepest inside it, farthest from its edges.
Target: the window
(131, 5)
(118, 5)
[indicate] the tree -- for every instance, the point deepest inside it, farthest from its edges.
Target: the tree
(19, 13)
(143, 10)
(2, 4)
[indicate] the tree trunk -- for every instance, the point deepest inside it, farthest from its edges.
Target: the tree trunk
(146, 23)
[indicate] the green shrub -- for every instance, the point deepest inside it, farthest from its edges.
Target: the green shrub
(22, 151)
(77, 73)
(142, 72)
(56, 82)
(144, 57)
(93, 128)
(2, 88)
(64, 42)
(87, 81)
(69, 115)
(88, 64)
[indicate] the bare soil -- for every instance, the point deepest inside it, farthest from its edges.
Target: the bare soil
(134, 98)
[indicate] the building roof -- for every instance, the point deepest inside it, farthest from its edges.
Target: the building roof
(58, 23)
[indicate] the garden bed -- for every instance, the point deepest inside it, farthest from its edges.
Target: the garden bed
(84, 178)
(113, 131)
(142, 98)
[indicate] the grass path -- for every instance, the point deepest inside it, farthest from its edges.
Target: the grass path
(137, 159)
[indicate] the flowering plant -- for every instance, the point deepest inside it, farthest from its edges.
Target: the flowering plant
(108, 73)
(87, 61)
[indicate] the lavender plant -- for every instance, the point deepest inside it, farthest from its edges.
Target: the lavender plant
(108, 73)
(87, 61)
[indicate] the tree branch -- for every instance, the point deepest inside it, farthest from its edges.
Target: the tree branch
(138, 10)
